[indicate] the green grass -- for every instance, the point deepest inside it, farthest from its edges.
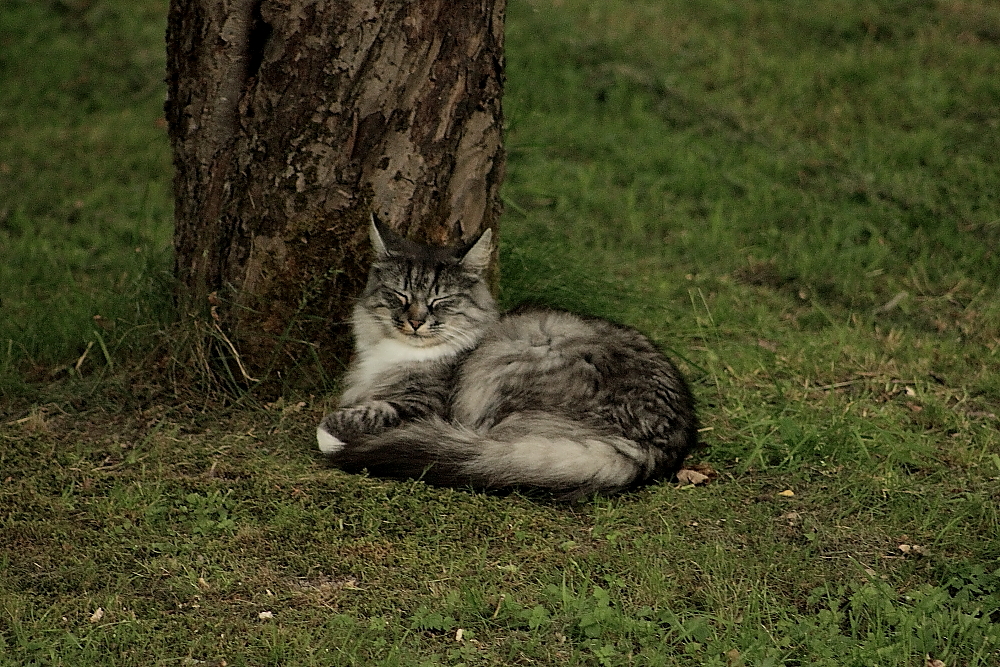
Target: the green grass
(85, 209)
(798, 201)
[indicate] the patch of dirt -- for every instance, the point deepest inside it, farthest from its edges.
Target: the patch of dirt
(763, 274)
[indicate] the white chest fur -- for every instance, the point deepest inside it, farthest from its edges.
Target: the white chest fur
(380, 364)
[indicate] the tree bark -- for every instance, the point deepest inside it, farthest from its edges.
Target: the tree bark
(290, 121)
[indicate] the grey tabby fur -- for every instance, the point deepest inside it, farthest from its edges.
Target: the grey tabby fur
(444, 389)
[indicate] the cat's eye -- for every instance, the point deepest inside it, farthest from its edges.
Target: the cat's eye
(403, 298)
(437, 302)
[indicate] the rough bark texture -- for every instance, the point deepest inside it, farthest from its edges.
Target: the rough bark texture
(292, 119)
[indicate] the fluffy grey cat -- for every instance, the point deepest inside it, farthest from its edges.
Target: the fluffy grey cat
(444, 389)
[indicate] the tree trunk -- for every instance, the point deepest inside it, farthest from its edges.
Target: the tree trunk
(290, 121)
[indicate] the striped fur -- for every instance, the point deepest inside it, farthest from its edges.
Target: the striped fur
(445, 390)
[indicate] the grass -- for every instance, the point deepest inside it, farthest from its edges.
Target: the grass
(800, 203)
(85, 210)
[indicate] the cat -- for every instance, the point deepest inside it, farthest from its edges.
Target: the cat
(445, 389)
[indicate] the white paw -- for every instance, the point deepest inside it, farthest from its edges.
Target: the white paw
(327, 443)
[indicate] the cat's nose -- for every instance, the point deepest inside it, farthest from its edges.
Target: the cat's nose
(415, 323)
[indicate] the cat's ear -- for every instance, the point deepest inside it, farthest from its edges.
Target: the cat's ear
(377, 231)
(477, 258)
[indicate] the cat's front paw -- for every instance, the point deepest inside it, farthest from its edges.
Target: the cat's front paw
(349, 426)
(328, 444)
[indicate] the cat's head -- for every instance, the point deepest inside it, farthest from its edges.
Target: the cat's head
(428, 295)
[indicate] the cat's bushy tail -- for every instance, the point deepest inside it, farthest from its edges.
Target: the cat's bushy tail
(529, 449)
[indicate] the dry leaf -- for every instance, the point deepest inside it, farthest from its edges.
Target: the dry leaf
(787, 493)
(458, 634)
(97, 615)
(202, 584)
(265, 615)
(767, 344)
(934, 663)
(915, 549)
(688, 476)
(104, 322)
